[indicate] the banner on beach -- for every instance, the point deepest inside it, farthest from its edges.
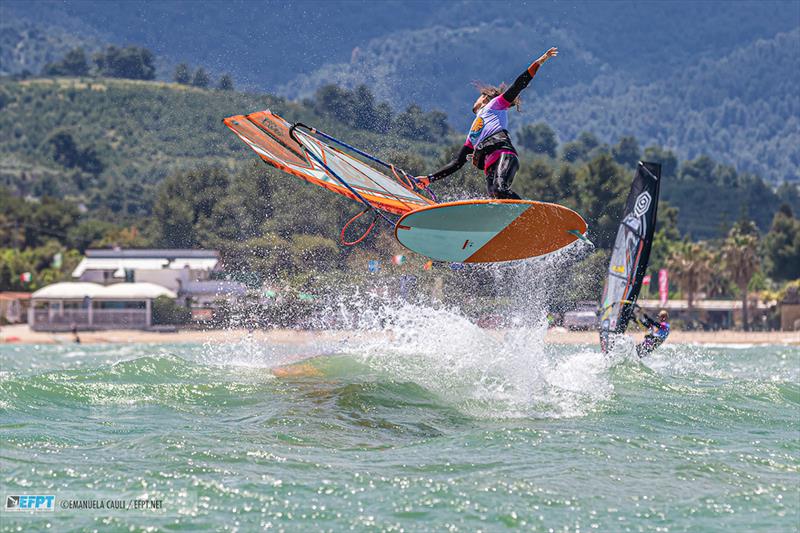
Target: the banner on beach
(663, 286)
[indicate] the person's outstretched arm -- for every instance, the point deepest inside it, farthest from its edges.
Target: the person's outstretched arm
(449, 168)
(525, 78)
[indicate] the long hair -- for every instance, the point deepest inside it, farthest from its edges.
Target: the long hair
(493, 91)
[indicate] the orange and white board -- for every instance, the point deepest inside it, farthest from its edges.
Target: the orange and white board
(484, 231)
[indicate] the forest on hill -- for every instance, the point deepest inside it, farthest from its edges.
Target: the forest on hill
(714, 77)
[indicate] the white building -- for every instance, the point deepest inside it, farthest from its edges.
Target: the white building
(67, 305)
(173, 269)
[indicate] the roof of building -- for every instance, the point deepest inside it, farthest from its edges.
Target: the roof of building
(10, 295)
(151, 259)
(152, 253)
(68, 290)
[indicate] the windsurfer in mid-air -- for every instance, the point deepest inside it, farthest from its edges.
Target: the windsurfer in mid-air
(657, 334)
(488, 140)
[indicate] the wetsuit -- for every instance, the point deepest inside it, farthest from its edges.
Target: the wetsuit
(489, 142)
(659, 331)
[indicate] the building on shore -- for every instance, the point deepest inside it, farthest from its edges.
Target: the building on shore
(14, 307)
(790, 310)
(712, 314)
(170, 268)
(190, 274)
(69, 306)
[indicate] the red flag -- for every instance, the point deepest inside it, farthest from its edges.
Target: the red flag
(663, 286)
(646, 280)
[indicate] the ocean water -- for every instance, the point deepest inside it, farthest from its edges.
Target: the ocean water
(419, 420)
(457, 429)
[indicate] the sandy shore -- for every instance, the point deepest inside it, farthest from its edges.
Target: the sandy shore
(21, 334)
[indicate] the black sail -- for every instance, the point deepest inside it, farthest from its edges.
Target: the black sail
(630, 254)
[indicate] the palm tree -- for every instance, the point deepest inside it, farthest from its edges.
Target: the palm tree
(740, 256)
(690, 265)
(718, 283)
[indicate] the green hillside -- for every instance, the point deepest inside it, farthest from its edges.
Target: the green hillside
(140, 132)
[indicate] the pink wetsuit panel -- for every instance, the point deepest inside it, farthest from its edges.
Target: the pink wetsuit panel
(492, 158)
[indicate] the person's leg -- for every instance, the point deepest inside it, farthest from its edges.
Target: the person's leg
(504, 171)
(646, 346)
(490, 177)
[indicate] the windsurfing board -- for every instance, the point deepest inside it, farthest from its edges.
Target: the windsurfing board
(485, 231)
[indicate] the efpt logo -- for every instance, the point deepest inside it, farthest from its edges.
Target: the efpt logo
(29, 502)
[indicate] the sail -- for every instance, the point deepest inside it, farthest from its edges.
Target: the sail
(630, 254)
(268, 135)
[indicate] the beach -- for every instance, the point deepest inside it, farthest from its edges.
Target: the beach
(22, 334)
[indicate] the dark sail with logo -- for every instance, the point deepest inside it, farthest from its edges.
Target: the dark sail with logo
(630, 254)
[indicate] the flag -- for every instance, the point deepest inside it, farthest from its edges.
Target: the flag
(398, 259)
(57, 261)
(663, 286)
(25, 277)
(428, 265)
(646, 280)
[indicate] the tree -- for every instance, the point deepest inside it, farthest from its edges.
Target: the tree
(66, 153)
(601, 194)
(667, 159)
(365, 116)
(131, 62)
(789, 193)
(539, 138)
(581, 148)
(73, 64)
(313, 252)
(201, 78)
(690, 265)
(414, 123)
(411, 123)
(65, 150)
(700, 169)
(184, 206)
(740, 256)
(782, 245)
(335, 101)
(666, 236)
(626, 152)
(226, 83)
(182, 74)
(89, 161)
(86, 233)
(565, 183)
(167, 312)
(383, 118)
(537, 182)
